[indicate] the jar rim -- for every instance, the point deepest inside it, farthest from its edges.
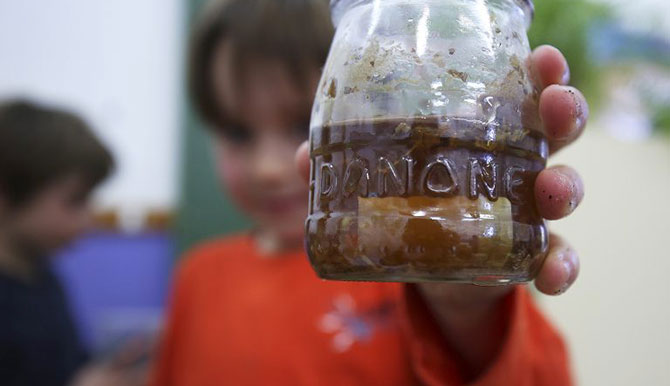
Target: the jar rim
(338, 7)
(530, 5)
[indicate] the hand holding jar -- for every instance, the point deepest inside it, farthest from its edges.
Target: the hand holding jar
(428, 160)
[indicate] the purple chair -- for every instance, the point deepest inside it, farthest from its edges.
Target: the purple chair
(116, 284)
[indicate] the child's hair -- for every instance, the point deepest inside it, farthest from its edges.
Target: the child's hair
(295, 33)
(39, 145)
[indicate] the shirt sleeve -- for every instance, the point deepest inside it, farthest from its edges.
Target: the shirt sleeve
(171, 340)
(532, 353)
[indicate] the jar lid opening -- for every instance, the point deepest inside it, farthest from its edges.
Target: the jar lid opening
(339, 7)
(528, 6)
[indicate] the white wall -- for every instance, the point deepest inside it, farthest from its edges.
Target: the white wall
(118, 64)
(617, 315)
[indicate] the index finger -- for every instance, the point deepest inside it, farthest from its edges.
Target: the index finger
(563, 109)
(548, 66)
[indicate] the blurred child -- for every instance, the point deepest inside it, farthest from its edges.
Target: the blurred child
(50, 162)
(248, 309)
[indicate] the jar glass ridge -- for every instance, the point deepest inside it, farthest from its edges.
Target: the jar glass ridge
(425, 144)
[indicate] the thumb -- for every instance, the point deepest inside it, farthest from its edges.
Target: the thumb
(302, 160)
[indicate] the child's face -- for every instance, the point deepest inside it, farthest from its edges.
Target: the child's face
(51, 219)
(268, 119)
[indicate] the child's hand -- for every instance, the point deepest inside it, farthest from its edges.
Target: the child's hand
(558, 189)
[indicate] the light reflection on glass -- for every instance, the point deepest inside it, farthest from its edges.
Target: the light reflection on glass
(422, 32)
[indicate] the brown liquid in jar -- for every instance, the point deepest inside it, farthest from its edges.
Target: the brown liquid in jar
(425, 199)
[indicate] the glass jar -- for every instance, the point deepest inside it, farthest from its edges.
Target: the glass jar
(425, 144)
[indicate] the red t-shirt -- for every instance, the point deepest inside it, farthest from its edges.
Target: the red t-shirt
(239, 318)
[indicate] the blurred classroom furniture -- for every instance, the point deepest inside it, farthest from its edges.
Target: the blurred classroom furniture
(117, 284)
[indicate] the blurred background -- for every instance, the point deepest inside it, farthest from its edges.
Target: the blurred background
(120, 65)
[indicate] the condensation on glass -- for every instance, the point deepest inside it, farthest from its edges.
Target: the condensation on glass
(425, 145)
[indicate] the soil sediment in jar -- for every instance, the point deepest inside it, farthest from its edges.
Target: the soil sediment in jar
(425, 199)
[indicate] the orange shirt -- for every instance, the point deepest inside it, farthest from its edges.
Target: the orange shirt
(238, 318)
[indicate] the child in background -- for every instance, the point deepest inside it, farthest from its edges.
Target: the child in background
(248, 309)
(50, 162)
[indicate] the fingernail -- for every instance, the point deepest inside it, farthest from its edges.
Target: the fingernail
(567, 267)
(572, 199)
(566, 283)
(581, 111)
(565, 78)
(569, 264)
(567, 270)
(574, 266)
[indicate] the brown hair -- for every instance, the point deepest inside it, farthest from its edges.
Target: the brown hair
(39, 145)
(296, 33)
